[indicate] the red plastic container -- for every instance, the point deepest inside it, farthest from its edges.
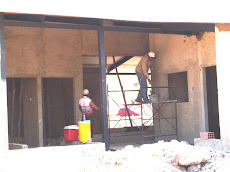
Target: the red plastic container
(71, 133)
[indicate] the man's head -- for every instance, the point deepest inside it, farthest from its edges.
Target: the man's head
(152, 55)
(85, 92)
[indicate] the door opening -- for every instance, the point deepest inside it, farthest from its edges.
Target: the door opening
(58, 108)
(212, 100)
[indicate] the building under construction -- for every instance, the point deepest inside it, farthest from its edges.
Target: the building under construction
(47, 60)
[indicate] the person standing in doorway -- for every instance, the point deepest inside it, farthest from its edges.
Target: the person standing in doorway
(86, 106)
(142, 74)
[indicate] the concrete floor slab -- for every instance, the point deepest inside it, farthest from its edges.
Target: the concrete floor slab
(55, 158)
(13, 146)
(215, 144)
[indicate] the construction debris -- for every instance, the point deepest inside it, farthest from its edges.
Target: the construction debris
(171, 156)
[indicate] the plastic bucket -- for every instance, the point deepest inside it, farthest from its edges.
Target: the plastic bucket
(154, 98)
(84, 131)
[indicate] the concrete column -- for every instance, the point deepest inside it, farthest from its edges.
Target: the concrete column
(3, 96)
(223, 80)
(204, 105)
(40, 116)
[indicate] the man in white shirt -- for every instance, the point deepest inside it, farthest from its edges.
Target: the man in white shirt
(142, 75)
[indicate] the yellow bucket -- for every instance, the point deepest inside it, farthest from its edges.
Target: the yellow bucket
(84, 131)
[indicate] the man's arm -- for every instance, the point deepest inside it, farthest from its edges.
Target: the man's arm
(145, 68)
(80, 108)
(94, 106)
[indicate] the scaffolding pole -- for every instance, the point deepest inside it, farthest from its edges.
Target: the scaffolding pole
(144, 123)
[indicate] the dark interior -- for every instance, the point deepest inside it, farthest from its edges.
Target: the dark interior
(212, 98)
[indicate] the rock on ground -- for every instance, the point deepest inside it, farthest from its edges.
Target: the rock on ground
(171, 156)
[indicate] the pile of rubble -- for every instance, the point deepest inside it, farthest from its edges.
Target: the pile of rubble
(171, 156)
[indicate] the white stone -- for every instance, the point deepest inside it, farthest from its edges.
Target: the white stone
(194, 168)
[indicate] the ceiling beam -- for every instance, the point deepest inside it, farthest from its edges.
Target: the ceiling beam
(94, 27)
(195, 27)
(118, 63)
(28, 20)
(147, 30)
(50, 25)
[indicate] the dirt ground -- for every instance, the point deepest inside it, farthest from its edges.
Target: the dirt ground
(171, 156)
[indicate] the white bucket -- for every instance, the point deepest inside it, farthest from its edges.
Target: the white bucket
(154, 98)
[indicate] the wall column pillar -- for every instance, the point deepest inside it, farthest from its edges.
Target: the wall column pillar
(4, 145)
(40, 114)
(204, 105)
(102, 63)
(222, 32)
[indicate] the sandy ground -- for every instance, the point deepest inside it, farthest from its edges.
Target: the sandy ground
(162, 156)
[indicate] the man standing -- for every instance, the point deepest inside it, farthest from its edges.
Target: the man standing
(142, 75)
(86, 106)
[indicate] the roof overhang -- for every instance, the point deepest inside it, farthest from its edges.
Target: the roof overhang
(48, 21)
(195, 11)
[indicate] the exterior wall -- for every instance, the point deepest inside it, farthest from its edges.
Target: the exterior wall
(223, 79)
(177, 53)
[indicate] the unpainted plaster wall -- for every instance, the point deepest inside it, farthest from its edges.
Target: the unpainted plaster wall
(42, 52)
(223, 80)
(116, 43)
(177, 53)
(39, 52)
(48, 52)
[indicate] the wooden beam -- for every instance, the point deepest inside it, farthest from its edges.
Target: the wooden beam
(3, 92)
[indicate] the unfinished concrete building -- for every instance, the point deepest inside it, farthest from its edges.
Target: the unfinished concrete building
(46, 63)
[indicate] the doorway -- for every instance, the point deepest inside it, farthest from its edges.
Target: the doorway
(212, 100)
(91, 81)
(58, 108)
